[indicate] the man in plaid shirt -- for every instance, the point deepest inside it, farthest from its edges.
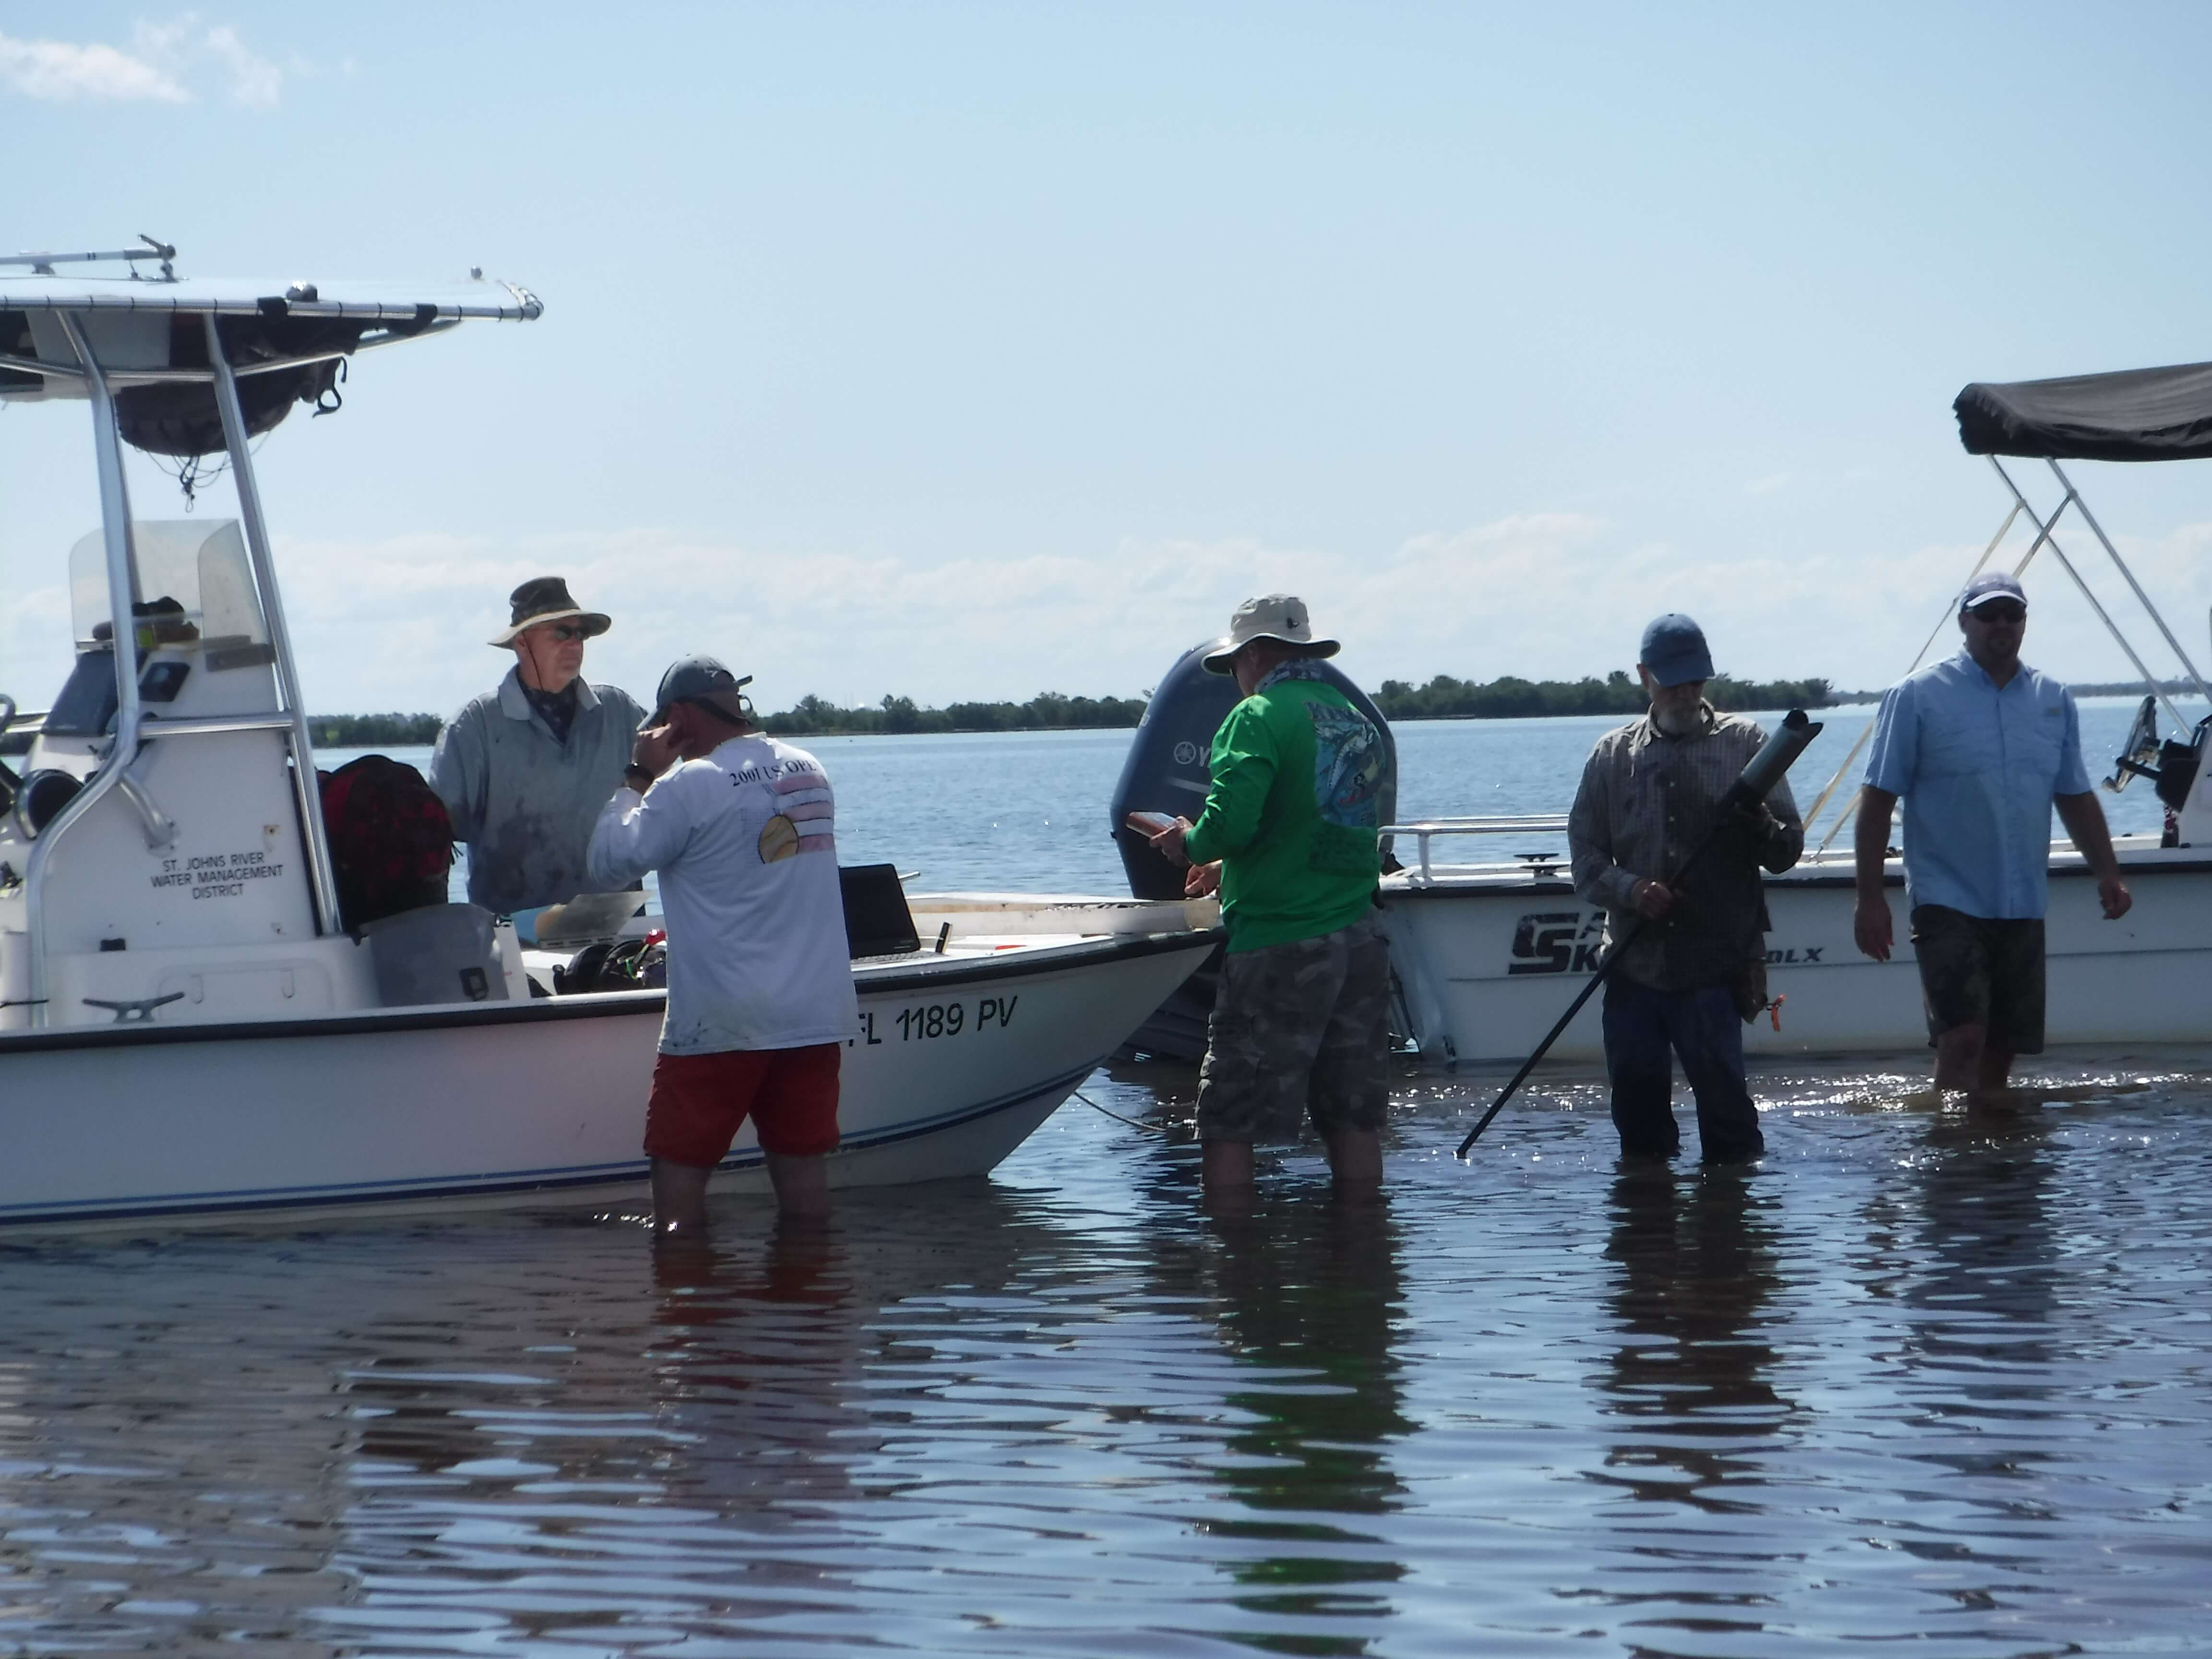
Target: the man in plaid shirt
(1651, 791)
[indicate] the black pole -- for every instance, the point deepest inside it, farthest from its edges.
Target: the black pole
(1553, 1036)
(1757, 778)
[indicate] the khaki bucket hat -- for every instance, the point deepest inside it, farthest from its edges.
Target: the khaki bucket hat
(545, 600)
(1271, 617)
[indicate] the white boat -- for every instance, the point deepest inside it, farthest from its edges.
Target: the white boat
(188, 1030)
(1489, 954)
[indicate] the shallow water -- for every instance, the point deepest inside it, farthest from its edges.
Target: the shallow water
(1921, 1377)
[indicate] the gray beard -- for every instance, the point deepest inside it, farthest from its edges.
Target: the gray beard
(1677, 723)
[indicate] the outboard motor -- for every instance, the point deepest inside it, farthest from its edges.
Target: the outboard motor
(2185, 784)
(2177, 771)
(1168, 771)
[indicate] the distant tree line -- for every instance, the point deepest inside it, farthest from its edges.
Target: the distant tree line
(1512, 698)
(371, 731)
(1047, 712)
(2133, 689)
(1441, 698)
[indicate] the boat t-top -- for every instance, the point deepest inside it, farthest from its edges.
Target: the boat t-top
(190, 1027)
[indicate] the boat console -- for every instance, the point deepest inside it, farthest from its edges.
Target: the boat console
(162, 853)
(186, 889)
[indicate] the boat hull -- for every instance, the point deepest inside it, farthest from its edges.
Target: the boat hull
(441, 1108)
(1486, 963)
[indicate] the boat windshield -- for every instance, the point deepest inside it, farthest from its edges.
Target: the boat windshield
(193, 584)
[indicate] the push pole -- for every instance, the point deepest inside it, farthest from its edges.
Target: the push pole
(1754, 783)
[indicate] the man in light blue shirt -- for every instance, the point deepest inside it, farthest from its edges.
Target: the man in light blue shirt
(1979, 748)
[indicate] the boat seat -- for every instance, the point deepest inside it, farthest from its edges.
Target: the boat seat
(439, 953)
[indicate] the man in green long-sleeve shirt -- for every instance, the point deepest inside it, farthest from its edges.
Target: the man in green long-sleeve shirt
(1301, 1017)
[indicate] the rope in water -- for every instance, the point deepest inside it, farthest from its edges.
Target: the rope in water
(1149, 1128)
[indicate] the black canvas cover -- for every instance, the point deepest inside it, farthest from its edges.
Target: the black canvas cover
(2137, 414)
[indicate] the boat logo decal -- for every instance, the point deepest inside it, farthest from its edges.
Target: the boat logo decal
(1570, 941)
(1556, 942)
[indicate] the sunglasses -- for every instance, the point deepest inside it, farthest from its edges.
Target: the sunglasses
(566, 633)
(2000, 612)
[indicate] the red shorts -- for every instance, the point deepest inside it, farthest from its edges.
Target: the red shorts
(699, 1102)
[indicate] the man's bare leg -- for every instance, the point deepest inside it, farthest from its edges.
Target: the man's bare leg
(1994, 1074)
(1355, 1158)
(679, 1199)
(1959, 1057)
(802, 1185)
(1226, 1172)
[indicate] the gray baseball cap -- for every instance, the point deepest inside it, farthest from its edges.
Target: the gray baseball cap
(702, 679)
(1674, 649)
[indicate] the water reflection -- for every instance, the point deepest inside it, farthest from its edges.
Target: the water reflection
(1307, 1293)
(1924, 1378)
(1984, 1303)
(681, 1467)
(1979, 1361)
(1694, 1269)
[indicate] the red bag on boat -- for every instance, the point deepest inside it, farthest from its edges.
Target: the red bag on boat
(392, 842)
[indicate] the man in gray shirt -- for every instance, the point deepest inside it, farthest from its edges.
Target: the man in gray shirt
(524, 769)
(1650, 793)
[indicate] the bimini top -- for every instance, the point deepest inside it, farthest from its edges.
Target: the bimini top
(2137, 414)
(285, 341)
(368, 302)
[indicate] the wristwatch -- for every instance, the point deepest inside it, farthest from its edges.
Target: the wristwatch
(637, 777)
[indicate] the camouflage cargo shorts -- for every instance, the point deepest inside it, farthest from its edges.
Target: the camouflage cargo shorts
(1299, 1027)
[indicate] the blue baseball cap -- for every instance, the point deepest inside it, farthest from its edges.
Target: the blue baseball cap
(1674, 649)
(1991, 585)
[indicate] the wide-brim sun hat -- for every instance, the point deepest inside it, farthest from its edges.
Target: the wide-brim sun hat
(545, 599)
(1271, 617)
(702, 679)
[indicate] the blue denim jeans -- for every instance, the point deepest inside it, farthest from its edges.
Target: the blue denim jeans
(1644, 1031)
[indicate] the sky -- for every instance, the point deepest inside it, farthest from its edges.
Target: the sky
(964, 351)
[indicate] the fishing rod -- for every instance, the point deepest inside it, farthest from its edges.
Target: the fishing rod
(1752, 784)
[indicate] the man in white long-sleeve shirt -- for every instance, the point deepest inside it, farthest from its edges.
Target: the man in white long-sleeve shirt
(760, 981)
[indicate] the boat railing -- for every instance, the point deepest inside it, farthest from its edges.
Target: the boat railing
(1425, 830)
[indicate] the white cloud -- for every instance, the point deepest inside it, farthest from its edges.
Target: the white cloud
(401, 622)
(253, 80)
(58, 71)
(163, 60)
(853, 627)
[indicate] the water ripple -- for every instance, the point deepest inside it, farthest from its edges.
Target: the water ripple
(1925, 1376)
